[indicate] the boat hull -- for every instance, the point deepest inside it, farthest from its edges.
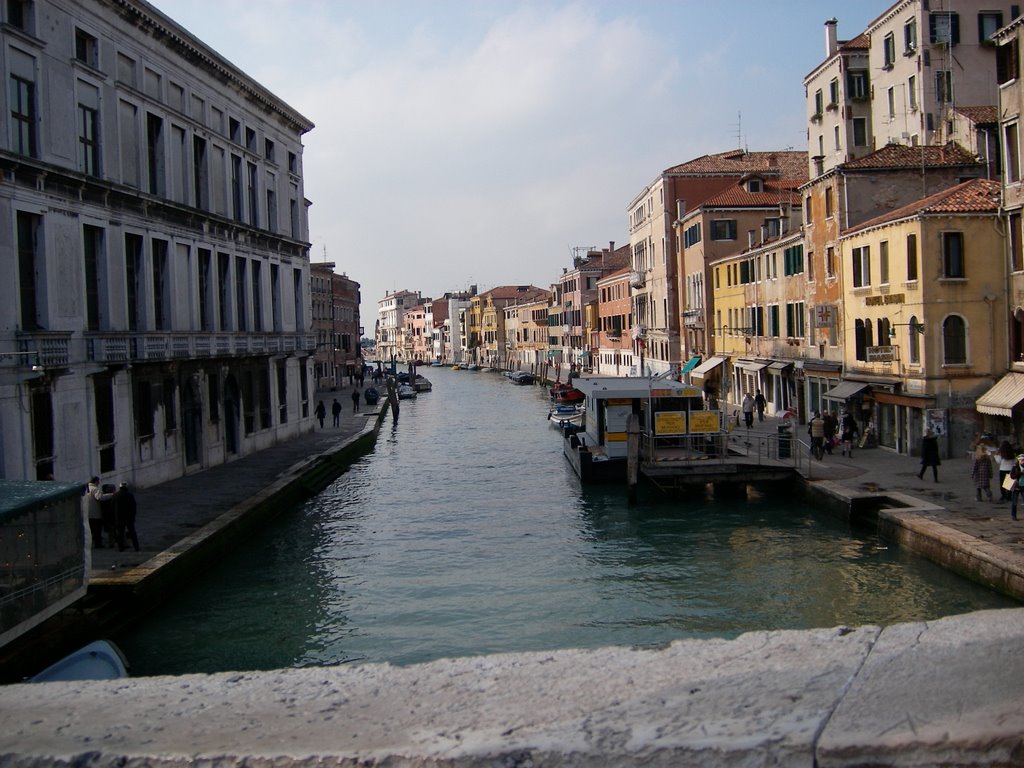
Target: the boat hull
(589, 469)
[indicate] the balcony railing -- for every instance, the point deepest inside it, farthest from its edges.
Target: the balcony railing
(637, 279)
(114, 348)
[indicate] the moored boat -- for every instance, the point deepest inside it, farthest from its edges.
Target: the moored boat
(564, 393)
(101, 660)
(422, 384)
(522, 377)
(406, 392)
(562, 416)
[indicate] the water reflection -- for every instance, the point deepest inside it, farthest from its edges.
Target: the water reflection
(465, 532)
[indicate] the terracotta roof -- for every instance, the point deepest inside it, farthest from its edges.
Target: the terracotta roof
(974, 196)
(980, 115)
(902, 156)
(738, 197)
(786, 163)
(860, 42)
(514, 292)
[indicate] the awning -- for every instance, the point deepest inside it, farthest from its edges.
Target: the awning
(1001, 399)
(707, 366)
(690, 365)
(779, 366)
(845, 390)
(910, 401)
(751, 365)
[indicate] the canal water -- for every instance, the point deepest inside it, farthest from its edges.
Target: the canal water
(465, 532)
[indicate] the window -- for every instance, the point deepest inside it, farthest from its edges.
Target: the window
(830, 262)
(170, 413)
(910, 37)
(234, 130)
(1007, 61)
(819, 103)
(93, 257)
(795, 319)
(143, 396)
(161, 287)
(268, 149)
(200, 174)
(861, 266)
(988, 23)
(241, 316)
(1014, 233)
(808, 210)
(88, 141)
(835, 132)
(793, 260)
(224, 290)
(1011, 151)
(250, 139)
(257, 295)
(943, 86)
(912, 92)
(103, 399)
(774, 328)
(860, 131)
(692, 235)
(953, 255)
(954, 341)
(755, 185)
(253, 189)
(883, 262)
(944, 28)
(23, 116)
(86, 48)
(888, 51)
(155, 154)
(723, 229)
(829, 205)
(205, 287)
(19, 14)
(891, 100)
(30, 260)
(833, 93)
(911, 257)
(857, 84)
(915, 342)
(132, 276)
(236, 187)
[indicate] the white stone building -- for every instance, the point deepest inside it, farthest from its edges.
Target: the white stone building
(153, 228)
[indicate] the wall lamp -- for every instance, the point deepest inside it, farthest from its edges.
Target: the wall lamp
(914, 328)
(36, 364)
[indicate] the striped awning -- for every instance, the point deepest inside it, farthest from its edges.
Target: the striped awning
(845, 390)
(751, 365)
(708, 365)
(1003, 397)
(690, 365)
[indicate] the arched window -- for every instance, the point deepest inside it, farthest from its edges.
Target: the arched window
(915, 342)
(883, 332)
(954, 341)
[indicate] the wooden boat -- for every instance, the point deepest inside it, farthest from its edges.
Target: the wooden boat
(101, 660)
(563, 394)
(406, 392)
(522, 377)
(422, 384)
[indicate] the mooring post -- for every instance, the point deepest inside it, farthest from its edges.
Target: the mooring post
(632, 455)
(392, 397)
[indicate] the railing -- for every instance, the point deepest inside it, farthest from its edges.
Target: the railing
(115, 348)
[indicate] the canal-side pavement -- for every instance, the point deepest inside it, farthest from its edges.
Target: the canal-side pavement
(946, 692)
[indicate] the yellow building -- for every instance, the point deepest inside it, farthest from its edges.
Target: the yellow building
(923, 287)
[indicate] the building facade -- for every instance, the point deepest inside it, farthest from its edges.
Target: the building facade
(157, 320)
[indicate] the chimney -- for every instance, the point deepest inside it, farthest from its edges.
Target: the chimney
(750, 238)
(831, 40)
(680, 209)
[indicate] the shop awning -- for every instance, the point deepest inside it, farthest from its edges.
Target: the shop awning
(779, 366)
(707, 366)
(690, 365)
(845, 390)
(1001, 399)
(751, 365)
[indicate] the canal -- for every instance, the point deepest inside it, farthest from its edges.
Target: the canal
(465, 532)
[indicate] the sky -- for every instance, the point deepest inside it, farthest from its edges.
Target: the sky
(463, 142)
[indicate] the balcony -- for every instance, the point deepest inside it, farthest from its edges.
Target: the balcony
(119, 348)
(637, 279)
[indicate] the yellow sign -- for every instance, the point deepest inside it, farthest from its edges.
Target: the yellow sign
(670, 423)
(703, 422)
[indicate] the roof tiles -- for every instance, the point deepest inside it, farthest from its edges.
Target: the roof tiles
(900, 156)
(971, 197)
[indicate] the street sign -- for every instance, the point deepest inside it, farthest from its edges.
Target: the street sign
(881, 354)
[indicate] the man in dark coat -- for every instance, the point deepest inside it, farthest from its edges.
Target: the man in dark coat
(124, 510)
(929, 455)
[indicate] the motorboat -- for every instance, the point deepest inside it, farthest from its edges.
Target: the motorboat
(562, 416)
(522, 377)
(406, 392)
(565, 394)
(100, 660)
(422, 384)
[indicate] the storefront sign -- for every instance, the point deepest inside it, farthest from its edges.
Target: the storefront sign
(889, 298)
(881, 354)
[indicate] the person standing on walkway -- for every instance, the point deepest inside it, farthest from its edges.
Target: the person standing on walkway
(94, 511)
(355, 401)
(831, 425)
(1015, 474)
(1005, 460)
(336, 412)
(320, 412)
(124, 510)
(748, 410)
(816, 430)
(760, 404)
(848, 431)
(929, 455)
(981, 472)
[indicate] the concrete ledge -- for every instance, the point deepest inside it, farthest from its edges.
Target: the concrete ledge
(946, 692)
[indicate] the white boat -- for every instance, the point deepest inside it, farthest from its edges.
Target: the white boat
(566, 415)
(406, 392)
(101, 660)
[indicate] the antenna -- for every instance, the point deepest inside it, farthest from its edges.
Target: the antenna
(738, 125)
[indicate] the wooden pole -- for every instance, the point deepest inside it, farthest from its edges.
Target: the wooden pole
(632, 455)
(392, 397)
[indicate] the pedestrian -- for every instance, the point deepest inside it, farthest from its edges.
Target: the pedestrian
(355, 401)
(125, 509)
(748, 410)
(848, 432)
(760, 404)
(1006, 460)
(981, 472)
(320, 412)
(107, 511)
(336, 412)
(816, 430)
(1015, 473)
(831, 425)
(94, 512)
(929, 455)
